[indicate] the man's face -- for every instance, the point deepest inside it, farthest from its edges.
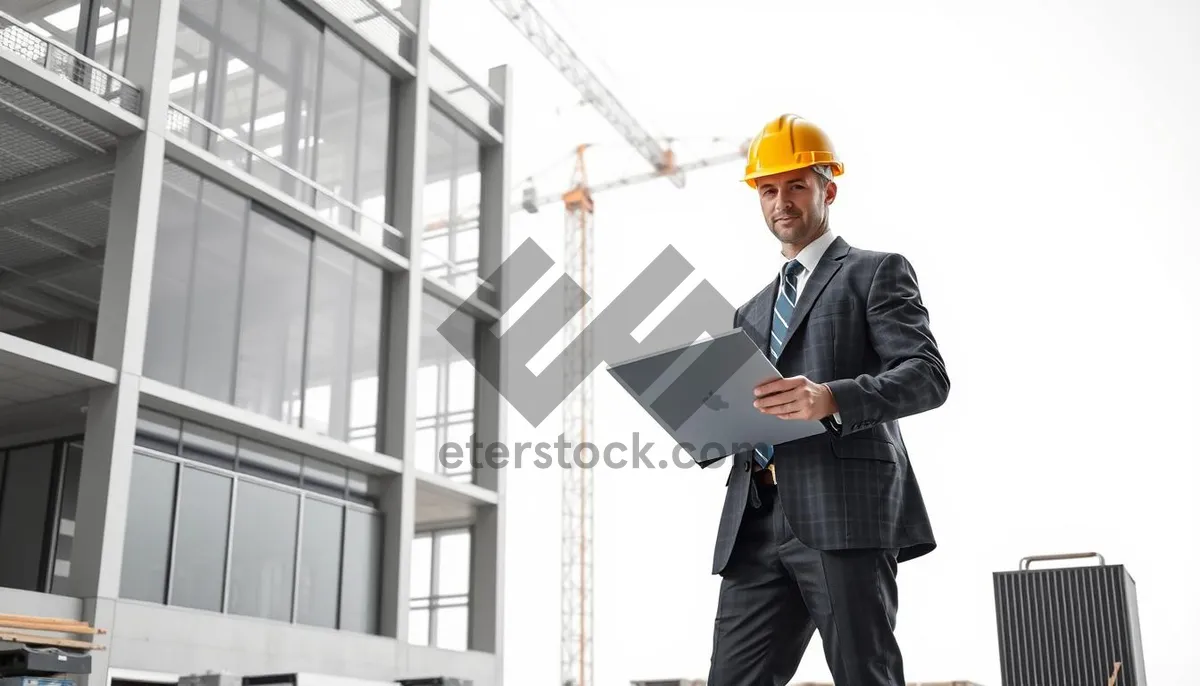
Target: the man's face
(794, 205)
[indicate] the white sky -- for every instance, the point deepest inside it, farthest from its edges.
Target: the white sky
(1034, 160)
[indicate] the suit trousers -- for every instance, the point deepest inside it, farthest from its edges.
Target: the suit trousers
(776, 591)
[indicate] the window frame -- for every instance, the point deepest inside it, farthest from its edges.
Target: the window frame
(434, 602)
(302, 494)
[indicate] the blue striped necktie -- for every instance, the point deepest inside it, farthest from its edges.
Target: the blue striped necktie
(785, 304)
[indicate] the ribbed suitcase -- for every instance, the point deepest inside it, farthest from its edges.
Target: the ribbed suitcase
(1069, 626)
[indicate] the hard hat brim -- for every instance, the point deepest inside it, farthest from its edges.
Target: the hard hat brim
(751, 177)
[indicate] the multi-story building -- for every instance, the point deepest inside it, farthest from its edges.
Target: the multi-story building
(237, 241)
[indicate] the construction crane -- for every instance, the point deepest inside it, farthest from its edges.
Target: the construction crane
(555, 49)
(577, 416)
(530, 200)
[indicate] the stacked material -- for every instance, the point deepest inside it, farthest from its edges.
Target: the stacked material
(44, 651)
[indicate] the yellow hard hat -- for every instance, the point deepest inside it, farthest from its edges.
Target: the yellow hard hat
(787, 143)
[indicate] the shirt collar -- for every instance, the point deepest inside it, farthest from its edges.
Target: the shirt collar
(812, 253)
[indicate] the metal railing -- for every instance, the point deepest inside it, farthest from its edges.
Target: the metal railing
(391, 30)
(388, 29)
(53, 56)
(464, 92)
(462, 277)
(241, 156)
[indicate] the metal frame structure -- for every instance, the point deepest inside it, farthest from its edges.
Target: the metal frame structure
(83, 181)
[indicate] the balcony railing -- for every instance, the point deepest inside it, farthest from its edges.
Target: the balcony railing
(239, 155)
(391, 30)
(473, 98)
(462, 277)
(388, 29)
(58, 59)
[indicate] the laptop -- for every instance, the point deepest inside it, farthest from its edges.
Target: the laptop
(702, 394)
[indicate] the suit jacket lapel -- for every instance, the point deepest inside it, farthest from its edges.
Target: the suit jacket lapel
(757, 321)
(830, 263)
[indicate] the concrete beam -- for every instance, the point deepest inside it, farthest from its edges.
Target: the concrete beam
(71, 172)
(69, 95)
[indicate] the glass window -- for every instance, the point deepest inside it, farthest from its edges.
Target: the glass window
(201, 539)
(454, 563)
(323, 477)
(286, 97)
(148, 529)
(452, 627)
(446, 383)
(320, 561)
(24, 508)
(418, 626)
(235, 48)
(296, 93)
(194, 294)
(247, 267)
(364, 365)
(264, 552)
(361, 559)
(354, 141)
(157, 431)
(212, 320)
(336, 575)
(205, 444)
(330, 331)
(451, 201)
(364, 489)
(341, 88)
(274, 302)
(374, 146)
(193, 58)
(422, 567)
(268, 462)
(173, 251)
(440, 589)
(51, 20)
(111, 36)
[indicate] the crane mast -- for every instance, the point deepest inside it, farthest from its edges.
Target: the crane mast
(579, 239)
(577, 524)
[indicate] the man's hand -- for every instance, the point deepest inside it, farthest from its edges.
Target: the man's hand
(795, 398)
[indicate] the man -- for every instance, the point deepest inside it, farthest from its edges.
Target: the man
(813, 530)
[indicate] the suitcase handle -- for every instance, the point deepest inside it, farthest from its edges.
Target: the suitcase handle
(1059, 556)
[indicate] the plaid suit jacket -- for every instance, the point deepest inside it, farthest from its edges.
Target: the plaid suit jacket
(860, 327)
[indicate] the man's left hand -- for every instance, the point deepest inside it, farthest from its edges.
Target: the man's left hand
(795, 398)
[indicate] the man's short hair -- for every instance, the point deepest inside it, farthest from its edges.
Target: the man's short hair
(824, 171)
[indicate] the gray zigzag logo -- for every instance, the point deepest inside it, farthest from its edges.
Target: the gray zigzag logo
(608, 337)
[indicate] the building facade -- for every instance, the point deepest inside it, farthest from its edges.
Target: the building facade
(236, 240)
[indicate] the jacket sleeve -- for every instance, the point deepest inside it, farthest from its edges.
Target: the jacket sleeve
(913, 377)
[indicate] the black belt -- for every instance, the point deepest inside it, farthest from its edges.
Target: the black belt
(764, 477)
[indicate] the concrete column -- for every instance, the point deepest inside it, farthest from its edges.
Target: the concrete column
(124, 305)
(121, 326)
(402, 348)
(487, 556)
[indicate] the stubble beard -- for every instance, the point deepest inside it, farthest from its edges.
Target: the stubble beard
(800, 234)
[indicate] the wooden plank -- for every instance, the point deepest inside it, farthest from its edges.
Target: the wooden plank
(58, 621)
(31, 639)
(44, 626)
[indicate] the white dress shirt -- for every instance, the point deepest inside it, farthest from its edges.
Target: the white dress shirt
(808, 258)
